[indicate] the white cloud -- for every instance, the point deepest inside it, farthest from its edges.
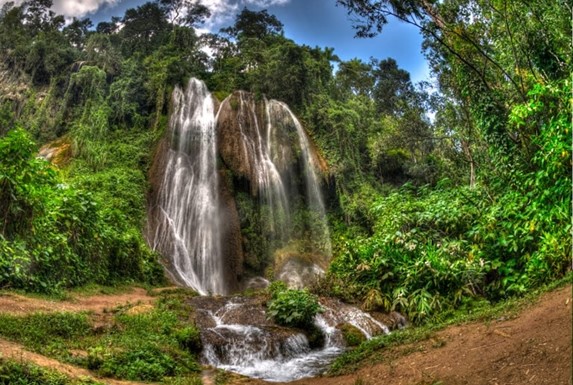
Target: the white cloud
(266, 3)
(222, 11)
(73, 8)
(79, 8)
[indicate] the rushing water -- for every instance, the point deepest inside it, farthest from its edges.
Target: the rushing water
(188, 229)
(274, 148)
(237, 336)
(282, 170)
(260, 146)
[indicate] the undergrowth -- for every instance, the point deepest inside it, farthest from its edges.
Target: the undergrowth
(23, 373)
(137, 342)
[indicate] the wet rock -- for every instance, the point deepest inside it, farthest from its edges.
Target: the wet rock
(234, 328)
(393, 320)
(244, 139)
(337, 313)
(231, 238)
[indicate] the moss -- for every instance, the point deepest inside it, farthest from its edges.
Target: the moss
(351, 334)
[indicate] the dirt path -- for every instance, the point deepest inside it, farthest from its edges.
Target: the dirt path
(20, 305)
(533, 348)
(96, 304)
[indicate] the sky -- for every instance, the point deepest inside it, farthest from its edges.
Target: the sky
(312, 22)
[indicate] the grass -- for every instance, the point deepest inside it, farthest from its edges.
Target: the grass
(371, 351)
(139, 344)
(23, 373)
(91, 289)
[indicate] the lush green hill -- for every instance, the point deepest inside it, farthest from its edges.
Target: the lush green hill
(427, 214)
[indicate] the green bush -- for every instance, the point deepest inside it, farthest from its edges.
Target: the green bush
(293, 308)
(148, 363)
(433, 248)
(189, 338)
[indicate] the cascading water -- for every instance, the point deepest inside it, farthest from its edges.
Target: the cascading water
(263, 143)
(277, 112)
(194, 223)
(238, 336)
(188, 227)
(261, 147)
(293, 272)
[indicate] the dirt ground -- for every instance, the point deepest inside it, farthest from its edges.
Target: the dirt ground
(532, 348)
(19, 304)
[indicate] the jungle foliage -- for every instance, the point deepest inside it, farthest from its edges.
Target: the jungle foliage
(438, 194)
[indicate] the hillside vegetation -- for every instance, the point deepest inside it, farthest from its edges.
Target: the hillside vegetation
(427, 214)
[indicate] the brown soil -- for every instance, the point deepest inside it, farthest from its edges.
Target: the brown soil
(21, 305)
(532, 348)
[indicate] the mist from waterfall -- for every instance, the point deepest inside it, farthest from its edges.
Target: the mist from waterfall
(188, 230)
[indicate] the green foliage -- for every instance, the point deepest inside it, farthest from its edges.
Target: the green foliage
(294, 308)
(55, 235)
(189, 339)
(431, 248)
(140, 345)
(20, 373)
(24, 182)
(45, 332)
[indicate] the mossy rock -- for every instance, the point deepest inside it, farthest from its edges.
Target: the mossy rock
(351, 334)
(315, 337)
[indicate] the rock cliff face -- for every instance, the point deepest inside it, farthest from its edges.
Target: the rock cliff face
(248, 145)
(267, 174)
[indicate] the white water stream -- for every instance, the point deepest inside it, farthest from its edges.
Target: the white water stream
(265, 352)
(188, 230)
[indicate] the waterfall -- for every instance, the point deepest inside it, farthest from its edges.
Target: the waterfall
(271, 187)
(188, 225)
(276, 111)
(259, 143)
(268, 165)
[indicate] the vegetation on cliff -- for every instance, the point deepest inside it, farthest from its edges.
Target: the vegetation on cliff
(427, 213)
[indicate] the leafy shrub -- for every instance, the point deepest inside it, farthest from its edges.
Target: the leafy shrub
(189, 338)
(293, 308)
(148, 363)
(432, 248)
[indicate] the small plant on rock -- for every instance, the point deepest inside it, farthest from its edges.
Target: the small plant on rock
(293, 308)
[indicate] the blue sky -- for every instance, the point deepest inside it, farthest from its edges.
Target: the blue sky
(311, 22)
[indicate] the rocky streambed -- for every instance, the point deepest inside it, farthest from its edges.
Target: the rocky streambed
(238, 336)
